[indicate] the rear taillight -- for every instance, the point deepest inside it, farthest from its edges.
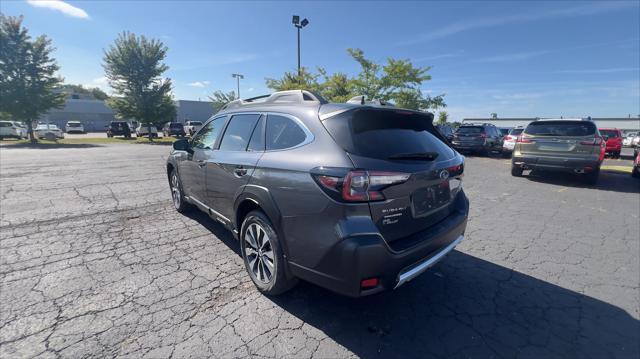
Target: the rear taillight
(508, 138)
(596, 141)
(524, 139)
(360, 186)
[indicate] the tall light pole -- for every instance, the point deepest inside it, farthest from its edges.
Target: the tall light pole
(299, 25)
(238, 77)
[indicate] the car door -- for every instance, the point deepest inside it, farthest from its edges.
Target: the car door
(192, 168)
(231, 165)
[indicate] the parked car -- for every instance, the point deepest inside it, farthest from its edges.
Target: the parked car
(43, 129)
(446, 131)
(504, 131)
(613, 140)
(118, 128)
(357, 198)
(11, 129)
(173, 129)
(191, 127)
(510, 140)
(573, 146)
(636, 163)
(144, 129)
(628, 138)
(74, 126)
(635, 142)
(482, 138)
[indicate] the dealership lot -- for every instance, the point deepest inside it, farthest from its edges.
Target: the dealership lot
(95, 261)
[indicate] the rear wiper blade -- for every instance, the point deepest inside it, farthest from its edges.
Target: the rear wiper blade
(421, 156)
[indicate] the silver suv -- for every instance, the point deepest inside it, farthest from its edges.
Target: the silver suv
(356, 197)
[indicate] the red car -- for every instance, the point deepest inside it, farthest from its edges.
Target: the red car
(614, 140)
(636, 163)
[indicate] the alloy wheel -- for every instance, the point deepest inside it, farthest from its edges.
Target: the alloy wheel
(175, 190)
(259, 253)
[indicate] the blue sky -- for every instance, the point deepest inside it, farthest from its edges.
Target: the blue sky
(514, 58)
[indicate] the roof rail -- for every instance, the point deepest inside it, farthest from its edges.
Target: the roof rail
(362, 100)
(290, 96)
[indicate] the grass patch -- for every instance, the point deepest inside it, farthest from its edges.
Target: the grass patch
(96, 141)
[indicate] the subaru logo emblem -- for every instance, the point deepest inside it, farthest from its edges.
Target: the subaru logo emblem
(444, 174)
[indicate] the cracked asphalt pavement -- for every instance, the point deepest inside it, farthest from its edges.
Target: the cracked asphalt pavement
(95, 262)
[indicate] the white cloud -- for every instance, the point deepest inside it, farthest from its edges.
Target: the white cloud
(440, 56)
(599, 71)
(250, 89)
(59, 5)
(199, 84)
(472, 24)
(518, 56)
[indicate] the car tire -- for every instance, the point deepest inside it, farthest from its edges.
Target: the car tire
(635, 172)
(616, 154)
(516, 171)
(262, 255)
(592, 178)
(177, 194)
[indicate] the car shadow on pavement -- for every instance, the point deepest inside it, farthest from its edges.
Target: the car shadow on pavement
(467, 307)
(608, 181)
(218, 230)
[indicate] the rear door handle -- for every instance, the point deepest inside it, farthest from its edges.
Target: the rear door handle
(240, 171)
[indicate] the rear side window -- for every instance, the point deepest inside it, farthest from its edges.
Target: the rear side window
(283, 132)
(561, 128)
(470, 129)
(238, 133)
(5, 124)
(257, 138)
(382, 133)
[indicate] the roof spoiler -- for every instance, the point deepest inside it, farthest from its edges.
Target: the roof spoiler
(362, 100)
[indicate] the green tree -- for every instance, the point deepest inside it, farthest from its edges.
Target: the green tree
(95, 92)
(443, 116)
(134, 67)
(219, 98)
(27, 74)
(397, 81)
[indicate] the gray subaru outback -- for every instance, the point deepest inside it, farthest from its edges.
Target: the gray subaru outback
(356, 197)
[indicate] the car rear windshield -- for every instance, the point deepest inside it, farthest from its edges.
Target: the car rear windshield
(516, 131)
(609, 133)
(195, 123)
(73, 124)
(383, 133)
(175, 125)
(470, 129)
(561, 128)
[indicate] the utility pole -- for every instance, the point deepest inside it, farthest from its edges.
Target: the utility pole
(299, 25)
(238, 77)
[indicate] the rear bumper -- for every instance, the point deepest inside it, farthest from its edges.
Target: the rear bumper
(470, 146)
(367, 255)
(559, 164)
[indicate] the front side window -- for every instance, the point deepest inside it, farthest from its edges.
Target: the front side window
(238, 132)
(207, 136)
(283, 132)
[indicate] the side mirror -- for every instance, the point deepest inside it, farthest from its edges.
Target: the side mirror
(181, 145)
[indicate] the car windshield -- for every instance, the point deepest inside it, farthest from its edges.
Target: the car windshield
(386, 134)
(516, 131)
(470, 129)
(609, 133)
(175, 125)
(561, 128)
(46, 127)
